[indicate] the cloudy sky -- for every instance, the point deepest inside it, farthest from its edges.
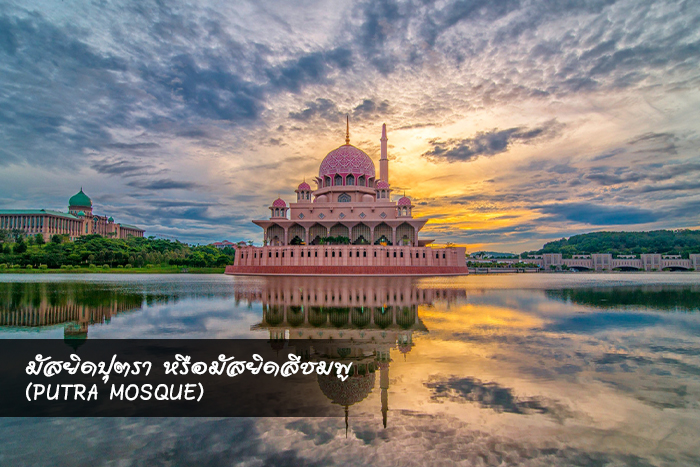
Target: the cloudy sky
(510, 122)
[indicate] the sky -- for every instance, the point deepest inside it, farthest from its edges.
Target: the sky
(510, 122)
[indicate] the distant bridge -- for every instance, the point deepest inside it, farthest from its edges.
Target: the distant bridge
(606, 262)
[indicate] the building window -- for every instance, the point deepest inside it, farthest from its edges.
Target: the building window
(326, 254)
(277, 254)
(340, 254)
(301, 215)
(342, 215)
(402, 254)
(333, 254)
(338, 180)
(362, 215)
(315, 254)
(321, 216)
(361, 180)
(394, 254)
(350, 180)
(364, 254)
(344, 198)
(269, 254)
(375, 254)
(416, 255)
(383, 215)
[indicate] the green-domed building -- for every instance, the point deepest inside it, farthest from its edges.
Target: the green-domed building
(78, 221)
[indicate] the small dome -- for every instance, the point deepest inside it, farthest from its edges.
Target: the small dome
(321, 199)
(303, 186)
(381, 184)
(279, 203)
(404, 201)
(111, 219)
(367, 198)
(81, 214)
(347, 159)
(80, 199)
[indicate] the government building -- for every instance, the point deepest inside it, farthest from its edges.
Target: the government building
(348, 225)
(78, 221)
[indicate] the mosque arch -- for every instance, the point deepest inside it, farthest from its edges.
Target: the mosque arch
(340, 230)
(382, 230)
(350, 179)
(338, 180)
(275, 235)
(360, 317)
(361, 234)
(296, 234)
(361, 181)
(406, 233)
(316, 233)
(344, 198)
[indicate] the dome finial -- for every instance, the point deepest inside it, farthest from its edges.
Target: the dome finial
(347, 130)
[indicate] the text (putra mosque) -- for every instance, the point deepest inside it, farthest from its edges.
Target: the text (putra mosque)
(348, 225)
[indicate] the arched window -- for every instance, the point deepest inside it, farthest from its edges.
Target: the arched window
(344, 198)
(361, 180)
(350, 180)
(338, 180)
(327, 181)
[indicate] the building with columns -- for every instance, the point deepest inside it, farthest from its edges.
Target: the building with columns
(347, 225)
(78, 221)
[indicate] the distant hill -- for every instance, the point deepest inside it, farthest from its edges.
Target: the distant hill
(676, 242)
(494, 254)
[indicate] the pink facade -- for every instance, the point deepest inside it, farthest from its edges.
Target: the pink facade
(347, 225)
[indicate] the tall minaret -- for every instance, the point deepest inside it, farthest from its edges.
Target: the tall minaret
(383, 161)
(384, 386)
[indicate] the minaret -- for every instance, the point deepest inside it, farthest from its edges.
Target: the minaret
(383, 161)
(384, 386)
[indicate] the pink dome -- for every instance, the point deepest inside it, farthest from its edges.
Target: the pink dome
(279, 203)
(345, 160)
(382, 184)
(304, 186)
(404, 201)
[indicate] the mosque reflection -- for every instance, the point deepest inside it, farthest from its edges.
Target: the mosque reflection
(348, 320)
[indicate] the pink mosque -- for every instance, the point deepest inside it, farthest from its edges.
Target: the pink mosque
(348, 225)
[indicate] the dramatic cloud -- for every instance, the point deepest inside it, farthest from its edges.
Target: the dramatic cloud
(487, 144)
(598, 215)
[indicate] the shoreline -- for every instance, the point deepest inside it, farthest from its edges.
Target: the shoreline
(176, 270)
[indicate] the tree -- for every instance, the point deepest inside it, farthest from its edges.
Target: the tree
(57, 239)
(39, 239)
(20, 248)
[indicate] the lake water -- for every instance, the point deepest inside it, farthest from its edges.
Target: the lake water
(528, 369)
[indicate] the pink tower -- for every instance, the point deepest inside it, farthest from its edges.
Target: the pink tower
(383, 161)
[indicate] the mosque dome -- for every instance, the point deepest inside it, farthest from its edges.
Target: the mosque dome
(81, 214)
(321, 199)
(279, 203)
(381, 184)
(404, 201)
(347, 159)
(303, 186)
(80, 199)
(367, 198)
(111, 219)
(351, 391)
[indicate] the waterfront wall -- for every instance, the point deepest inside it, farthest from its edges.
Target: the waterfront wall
(348, 260)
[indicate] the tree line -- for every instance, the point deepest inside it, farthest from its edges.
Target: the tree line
(95, 250)
(668, 242)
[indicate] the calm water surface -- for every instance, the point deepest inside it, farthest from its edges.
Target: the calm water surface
(533, 369)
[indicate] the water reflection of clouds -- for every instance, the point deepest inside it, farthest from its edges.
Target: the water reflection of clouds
(521, 376)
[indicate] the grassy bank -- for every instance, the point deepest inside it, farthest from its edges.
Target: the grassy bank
(153, 270)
